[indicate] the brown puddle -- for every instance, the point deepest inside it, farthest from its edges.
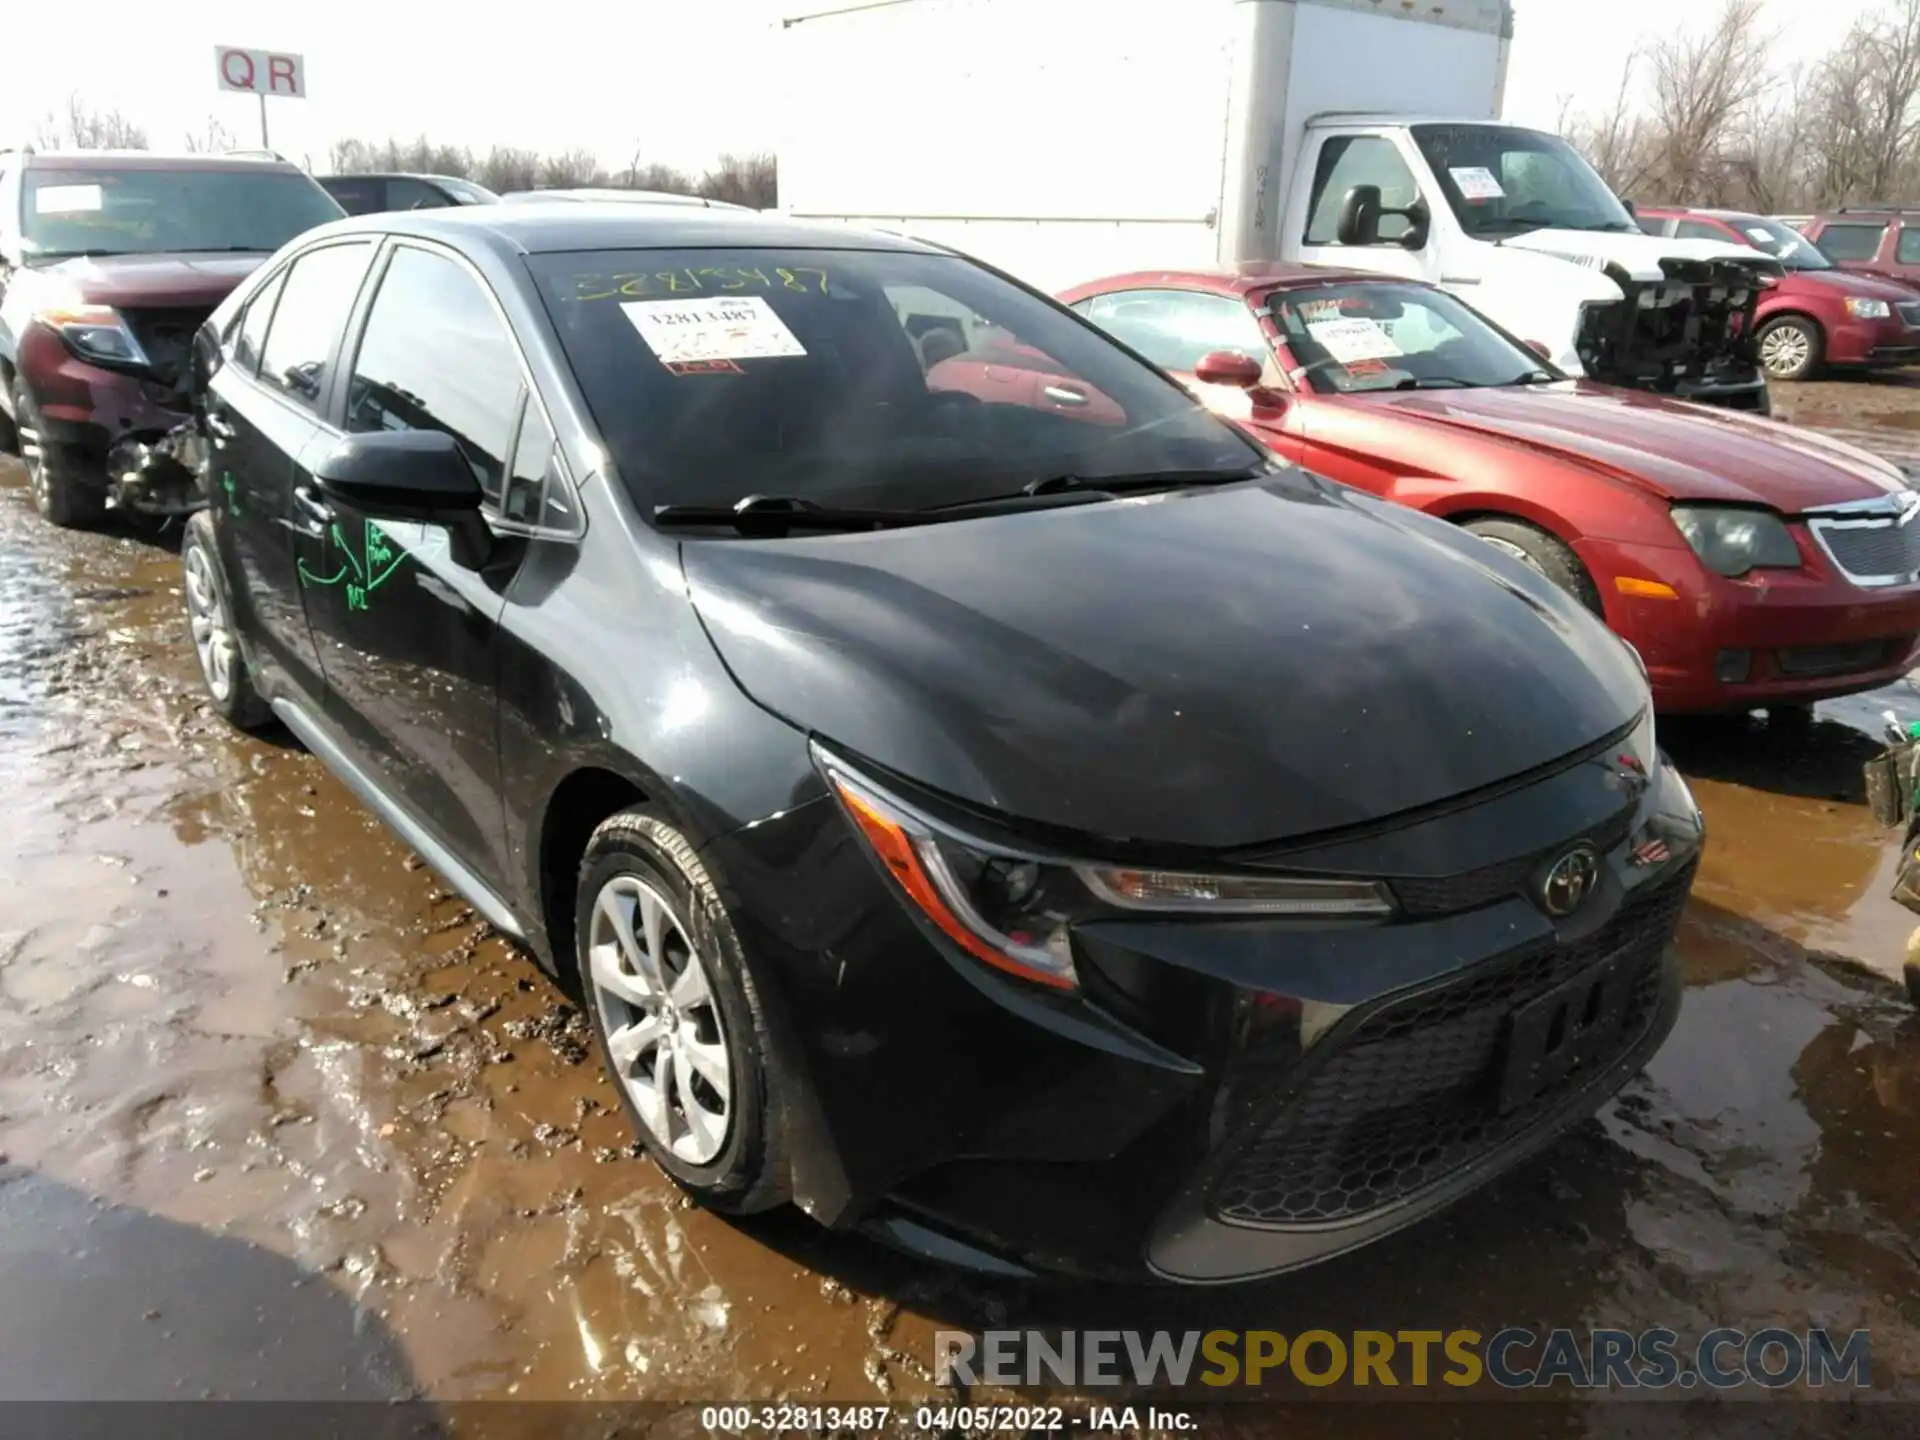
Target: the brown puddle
(361, 1146)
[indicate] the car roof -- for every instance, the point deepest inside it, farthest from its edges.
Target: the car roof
(149, 160)
(532, 228)
(1702, 211)
(393, 175)
(1242, 279)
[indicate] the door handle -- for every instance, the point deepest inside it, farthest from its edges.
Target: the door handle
(220, 429)
(315, 510)
(1061, 395)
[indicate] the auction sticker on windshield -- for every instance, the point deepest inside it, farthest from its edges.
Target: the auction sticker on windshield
(1476, 182)
(681, 332)
(67, 199)
(1353, 339)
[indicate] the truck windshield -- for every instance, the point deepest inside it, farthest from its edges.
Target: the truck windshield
(857, 377)
(141, 211)
(1501, 181)
(1371, 335)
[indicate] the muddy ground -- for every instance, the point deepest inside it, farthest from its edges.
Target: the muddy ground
(279, 1118)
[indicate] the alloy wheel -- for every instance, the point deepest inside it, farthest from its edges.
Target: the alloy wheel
(212, 634)
(1785, 350)
(31, 455)
(663, 1026)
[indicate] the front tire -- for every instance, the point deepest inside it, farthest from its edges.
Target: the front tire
(678, 1016)
(60, 491)
(1791, 348)
(210, 625)
(1538, 550)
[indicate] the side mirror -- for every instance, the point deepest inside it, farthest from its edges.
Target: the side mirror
(414, 475)
(1539, 347)
(1359, 222)
(1627, 205)
(1228, 367)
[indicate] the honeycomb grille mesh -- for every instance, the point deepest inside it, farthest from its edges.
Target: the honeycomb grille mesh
(1410, 1096)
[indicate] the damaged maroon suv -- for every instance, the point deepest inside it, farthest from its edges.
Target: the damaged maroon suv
(109, 262)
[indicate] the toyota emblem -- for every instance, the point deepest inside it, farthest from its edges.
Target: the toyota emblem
(1570, 881)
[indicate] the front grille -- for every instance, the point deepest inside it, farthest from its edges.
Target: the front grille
(1870, 550)
(1909, 312)
(1814, 660)
(167, 337)
(1449, 894)
(1410, 1094)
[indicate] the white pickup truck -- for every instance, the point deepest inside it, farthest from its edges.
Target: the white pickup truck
(1063, 140)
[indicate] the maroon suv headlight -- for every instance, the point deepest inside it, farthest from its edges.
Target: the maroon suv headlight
(94, 332)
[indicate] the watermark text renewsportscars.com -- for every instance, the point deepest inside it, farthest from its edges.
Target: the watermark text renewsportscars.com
(1771, 1357)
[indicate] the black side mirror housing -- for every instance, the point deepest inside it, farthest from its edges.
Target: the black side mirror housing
(1627, 205)
(412, 475)
(1361, 213)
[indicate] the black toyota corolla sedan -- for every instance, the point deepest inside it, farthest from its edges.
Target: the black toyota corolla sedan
(982, 799)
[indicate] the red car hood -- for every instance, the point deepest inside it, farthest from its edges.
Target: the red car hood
(1673, 449)
(1843, 282)
(197, 279)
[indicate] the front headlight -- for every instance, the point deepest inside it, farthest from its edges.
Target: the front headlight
(1733, 540)
(94, 332)
(1014, 910)
(1861, 308)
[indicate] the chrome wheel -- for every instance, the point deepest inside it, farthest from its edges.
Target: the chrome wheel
(1785, 350)
(212, 635)
(1507, 547)
(31, 455)
(663, 1027)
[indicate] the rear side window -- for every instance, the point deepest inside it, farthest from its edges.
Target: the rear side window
(1350, 160)
(1701, 230)
(405, 194)
(436, 356)
(1909, 252)
(358, 195)
(1175, 329)
(253, 325)
(314, 301)
(1851, 241)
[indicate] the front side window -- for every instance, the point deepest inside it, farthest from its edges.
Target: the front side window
(1700, 230)
(314, 302)
(1851, 241)
(406, 193)
(1500, 180)
(436, 356)
(855, 377)
(146, 211)
(1350, 160)
(1909, 251)
(1176, 329)
(251, 337)
(1376, 336)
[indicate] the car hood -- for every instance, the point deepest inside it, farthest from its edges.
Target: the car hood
(1670, 448)
(192, 279)
(1639, 255)
(1845, 282)
(1211, 668)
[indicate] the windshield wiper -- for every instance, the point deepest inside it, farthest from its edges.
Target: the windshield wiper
(1434, 382)
(1535, 376)
(776, 515)
(1127, 484)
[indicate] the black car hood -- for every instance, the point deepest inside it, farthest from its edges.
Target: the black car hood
(1210, 668)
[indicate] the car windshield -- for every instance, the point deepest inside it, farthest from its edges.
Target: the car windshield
(144, 211)
(857, 377)
(1783, 242)
(1371, 336)
(1503, 181)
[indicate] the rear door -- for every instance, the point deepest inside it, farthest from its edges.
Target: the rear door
(406, 634)
(263, 407)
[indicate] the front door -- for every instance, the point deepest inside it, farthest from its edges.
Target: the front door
(406, 632)
(1342, 162)
(262, 411)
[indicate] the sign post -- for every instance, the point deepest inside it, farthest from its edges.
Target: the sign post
(261, 73)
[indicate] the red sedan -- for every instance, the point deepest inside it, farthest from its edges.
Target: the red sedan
(1749, 562)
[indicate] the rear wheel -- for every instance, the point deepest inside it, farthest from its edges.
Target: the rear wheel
(60, 491)
(1790, 348)
(678, 1016)
(1535, 548)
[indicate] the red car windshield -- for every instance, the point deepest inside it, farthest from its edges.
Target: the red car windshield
(1783, 242)
(89, 211)
(1370, 336)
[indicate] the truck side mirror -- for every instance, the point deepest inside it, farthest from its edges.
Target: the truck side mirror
(1359, 222)
(1627, 205)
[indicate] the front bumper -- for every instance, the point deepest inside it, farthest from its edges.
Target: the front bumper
(1780, 636)
(90, 410)
(1872, 342)
(959, 1113)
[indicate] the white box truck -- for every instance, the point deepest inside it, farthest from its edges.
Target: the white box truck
(1063, 140)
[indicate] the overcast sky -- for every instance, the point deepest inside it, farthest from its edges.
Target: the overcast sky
(673, 78)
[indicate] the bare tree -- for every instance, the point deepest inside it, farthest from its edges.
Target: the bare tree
(81, 127)
(573, 168)
(1614, 140)
(213, 138)
(1704, 84)
(751, 180)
